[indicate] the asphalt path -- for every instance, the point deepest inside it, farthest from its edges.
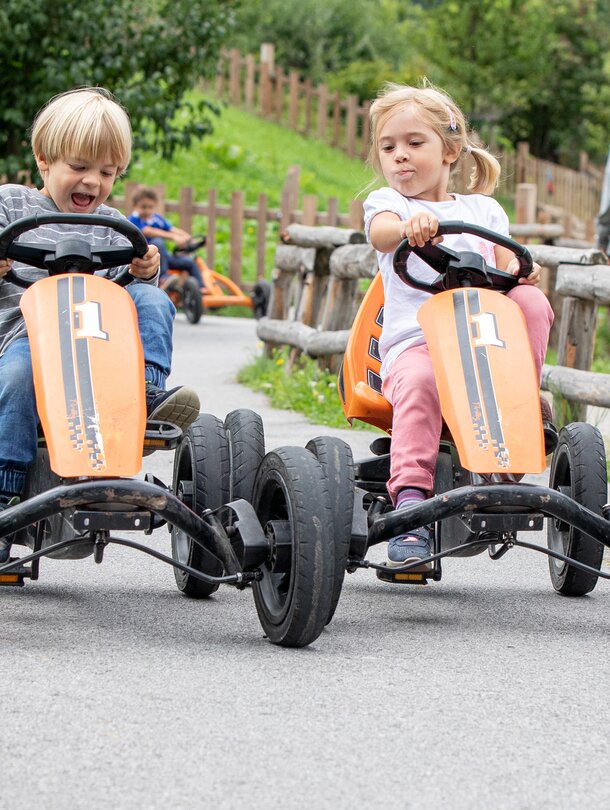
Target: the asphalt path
(486, 690)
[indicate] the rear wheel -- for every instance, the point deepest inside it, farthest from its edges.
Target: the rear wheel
(246, 439)
(578, 470)
(191, 300)
(336, 460)
(291, 501)
(201, 480)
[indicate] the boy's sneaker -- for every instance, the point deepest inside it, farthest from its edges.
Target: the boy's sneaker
(180, 406)
(408, 548)
(6, 542)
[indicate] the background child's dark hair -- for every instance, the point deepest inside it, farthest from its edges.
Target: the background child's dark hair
(144, 193)
(442, 114)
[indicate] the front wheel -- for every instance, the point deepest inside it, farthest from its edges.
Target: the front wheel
(578, 470)
(201, 480)
(336, 460)
(290, 498)
(191, 300)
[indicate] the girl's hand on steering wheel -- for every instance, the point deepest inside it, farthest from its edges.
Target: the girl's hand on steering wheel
(5, 266)
(146, 268)
(534, 276)
(419, 229)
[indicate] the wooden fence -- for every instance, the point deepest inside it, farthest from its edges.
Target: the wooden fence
(316, 295)
(262, 87)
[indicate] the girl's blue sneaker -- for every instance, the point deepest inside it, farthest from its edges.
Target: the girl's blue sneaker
(411, 547)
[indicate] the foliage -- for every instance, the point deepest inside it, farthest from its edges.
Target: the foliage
(321, 37)
(534, 69)
(521, 69)
(149, 54)
(306, 388)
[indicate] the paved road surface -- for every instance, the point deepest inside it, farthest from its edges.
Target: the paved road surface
(486, 690)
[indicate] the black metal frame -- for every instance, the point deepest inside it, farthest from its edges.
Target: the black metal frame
(219, 532)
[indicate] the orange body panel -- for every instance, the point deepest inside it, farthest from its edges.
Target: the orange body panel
(486, 378)
(359, 381)
(88, 374)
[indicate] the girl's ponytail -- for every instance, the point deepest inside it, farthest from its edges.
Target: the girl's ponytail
(486, 172)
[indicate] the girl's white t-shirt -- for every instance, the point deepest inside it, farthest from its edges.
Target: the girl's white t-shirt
(400, 327)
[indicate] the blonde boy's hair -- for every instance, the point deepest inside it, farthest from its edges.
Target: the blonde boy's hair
(442, 114)
(88, 123)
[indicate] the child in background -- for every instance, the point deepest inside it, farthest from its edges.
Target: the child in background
(81, 141)
(418, 135)
(157, 230)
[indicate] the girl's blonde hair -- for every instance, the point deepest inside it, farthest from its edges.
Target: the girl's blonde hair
(88, 123)
(442, 114)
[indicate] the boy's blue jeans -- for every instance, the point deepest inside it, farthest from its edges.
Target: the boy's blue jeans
(18, 416)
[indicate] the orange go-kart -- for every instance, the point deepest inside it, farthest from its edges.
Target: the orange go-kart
(492, 434)
(236, 515)
(219, 291)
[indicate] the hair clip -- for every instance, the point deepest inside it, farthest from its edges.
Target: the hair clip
(467, 149)
(452, 121)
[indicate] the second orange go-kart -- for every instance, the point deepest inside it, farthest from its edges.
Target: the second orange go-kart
(237, 515)
(219, 291)
(492, 436)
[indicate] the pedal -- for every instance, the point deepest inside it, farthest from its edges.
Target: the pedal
(405, 577)
(16, 576)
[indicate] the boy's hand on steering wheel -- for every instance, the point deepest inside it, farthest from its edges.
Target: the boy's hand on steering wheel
(534, 276)
(419, 229)
(146, 268)
(5, 266)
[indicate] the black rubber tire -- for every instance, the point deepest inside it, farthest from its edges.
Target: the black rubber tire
(192, 304)
(261, 295)
(246, 439)
(201, 462)
(337, 462)
(291, 494)
(578, 469)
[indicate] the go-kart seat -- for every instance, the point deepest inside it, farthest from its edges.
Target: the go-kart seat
(359, 381)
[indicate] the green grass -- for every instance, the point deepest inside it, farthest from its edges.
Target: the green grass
(306, 388)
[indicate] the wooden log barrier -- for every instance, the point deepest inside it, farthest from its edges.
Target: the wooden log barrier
(321, 236)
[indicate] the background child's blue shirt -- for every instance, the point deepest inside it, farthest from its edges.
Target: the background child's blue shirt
(156, 221)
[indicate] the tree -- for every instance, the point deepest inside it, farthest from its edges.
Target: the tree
(535, 69)
(150, 54)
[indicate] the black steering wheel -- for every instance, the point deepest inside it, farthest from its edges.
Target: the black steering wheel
(463, 269)
(72, 253)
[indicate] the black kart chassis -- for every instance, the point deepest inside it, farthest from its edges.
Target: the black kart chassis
(485, 501)
(231, 534)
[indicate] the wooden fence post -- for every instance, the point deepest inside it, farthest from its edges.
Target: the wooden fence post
(350, 125)
(185, 209)
(234, 82)
(237, 229)
(293, 99)
(210, 242)
(250, 80)
(523, 151)
(525, 203)
(322, 112)
(261, 235)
